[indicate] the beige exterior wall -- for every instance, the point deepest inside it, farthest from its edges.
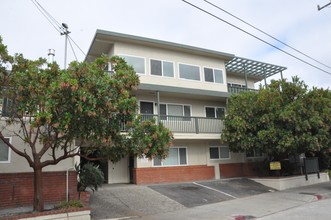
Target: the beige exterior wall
(198, 154)
(20, 164)
(177, 58)
(240, 80)
(197, 105)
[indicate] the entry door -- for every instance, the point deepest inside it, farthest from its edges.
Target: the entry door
(147, 108)
(119, 172)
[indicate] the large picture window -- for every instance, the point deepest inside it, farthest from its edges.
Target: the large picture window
(138, 63)
(4, 152)
(162, 68)
(177, 157)
(189, 72)
(213, 75)
(219, 152)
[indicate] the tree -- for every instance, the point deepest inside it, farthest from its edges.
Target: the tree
(54, 111)
(281, 119)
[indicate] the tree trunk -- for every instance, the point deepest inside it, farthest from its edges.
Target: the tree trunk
(38, 200)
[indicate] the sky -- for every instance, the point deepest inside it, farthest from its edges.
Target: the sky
(297, 23)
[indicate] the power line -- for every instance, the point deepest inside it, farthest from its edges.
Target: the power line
(218, 7)
(320, 8)
(58, 27)
(45, 15)
(252, 35)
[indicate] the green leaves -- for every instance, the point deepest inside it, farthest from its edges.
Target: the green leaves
(285, 117)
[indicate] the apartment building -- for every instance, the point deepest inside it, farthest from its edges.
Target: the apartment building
(186, 88)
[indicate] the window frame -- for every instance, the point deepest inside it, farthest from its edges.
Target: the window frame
(9, 152)
(162, 70)
(134, 56)
(183, 110)
(219, 153)
(215, 108)
(175, 147)
(179, 75)
(214, 76)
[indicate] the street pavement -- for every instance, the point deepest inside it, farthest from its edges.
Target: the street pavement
(229, 199)
(310, 202)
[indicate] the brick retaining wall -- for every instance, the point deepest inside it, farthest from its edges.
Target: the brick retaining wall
(172, 174)
(239, 169)
(16, 189)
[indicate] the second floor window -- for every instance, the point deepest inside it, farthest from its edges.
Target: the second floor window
(162, 68)
(138, 63)
(213, 75)
(167, 110)
(215, 112)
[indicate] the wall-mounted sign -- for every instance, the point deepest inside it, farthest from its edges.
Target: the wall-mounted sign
(275, 165)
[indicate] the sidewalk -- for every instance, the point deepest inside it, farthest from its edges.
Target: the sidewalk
(257, 206)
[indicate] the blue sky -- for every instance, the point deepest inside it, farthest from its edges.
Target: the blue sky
(298, 23)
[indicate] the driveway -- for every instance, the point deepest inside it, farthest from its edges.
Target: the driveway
(125, 200)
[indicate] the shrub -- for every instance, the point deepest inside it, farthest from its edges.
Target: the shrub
(70, 204)
(90, 176)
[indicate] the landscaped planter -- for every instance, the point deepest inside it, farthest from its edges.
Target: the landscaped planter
(73, 214)
(281, 183)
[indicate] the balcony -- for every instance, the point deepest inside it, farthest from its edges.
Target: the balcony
(182, 124)
(238, 89)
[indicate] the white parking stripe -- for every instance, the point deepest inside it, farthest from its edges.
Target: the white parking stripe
(207, 187)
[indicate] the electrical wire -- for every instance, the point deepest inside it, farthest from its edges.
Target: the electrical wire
(72, 49)
(77, 45)
(258, 29)
(258, 38)
(58, 27)
(44, 14)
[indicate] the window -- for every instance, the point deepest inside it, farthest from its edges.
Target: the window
(236, 85)
(162, 68)
(4, 152)
(175, 110)
(213, 75)
(216, 153)
(177, 157)
(189, 72)
(254, 153)
(215, 112)
(138, 63)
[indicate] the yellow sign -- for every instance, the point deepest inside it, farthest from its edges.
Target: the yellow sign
(275, 165)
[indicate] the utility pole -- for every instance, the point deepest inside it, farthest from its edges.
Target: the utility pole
(320, 8)
(66, 33)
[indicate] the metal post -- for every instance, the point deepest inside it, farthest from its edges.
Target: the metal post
(66, 33)
(265, 78)
(158, 107)
(65, 51)
(281, 75)
(245, 76)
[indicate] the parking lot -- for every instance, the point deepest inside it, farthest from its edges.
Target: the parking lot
(206, 192)
(126, 200)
